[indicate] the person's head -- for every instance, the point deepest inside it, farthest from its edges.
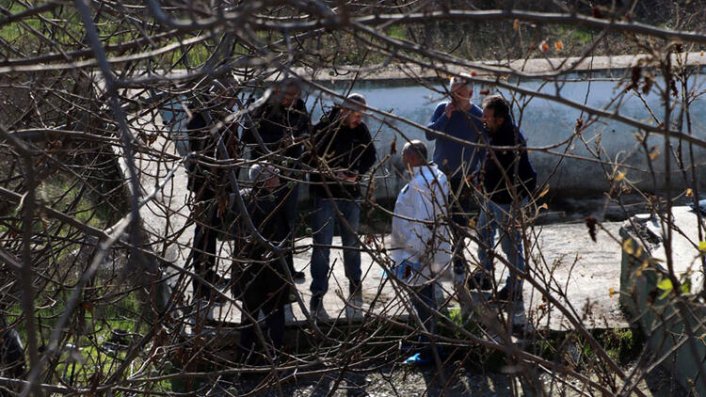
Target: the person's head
(414, 153)
(353, 109)
(496, 111)
(264, 175)
(461, 88)
(287, 92)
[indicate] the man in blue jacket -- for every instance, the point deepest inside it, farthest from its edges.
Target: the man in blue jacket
(458, 154)
(508, 179)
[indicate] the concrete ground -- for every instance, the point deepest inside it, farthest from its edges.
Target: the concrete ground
(580, 274)
(583, 276)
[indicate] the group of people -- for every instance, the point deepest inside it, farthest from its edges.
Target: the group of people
(479, 160)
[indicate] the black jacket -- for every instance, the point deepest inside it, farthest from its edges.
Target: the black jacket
(204, 178)
(498, 173)
(335, 148)
(274, 123)
(258, 274)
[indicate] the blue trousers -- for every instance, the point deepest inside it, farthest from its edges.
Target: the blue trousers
(324, 219)
(492, 217)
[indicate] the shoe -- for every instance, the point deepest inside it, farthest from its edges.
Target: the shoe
(316, 308)
(417, 360)
(507, 294)
(480, 280)
(354, 308)
(298, 276)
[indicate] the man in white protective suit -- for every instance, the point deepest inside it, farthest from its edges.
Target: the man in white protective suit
(421, 243)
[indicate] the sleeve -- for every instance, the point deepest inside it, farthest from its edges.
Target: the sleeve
(412, 230)
(481, 138)
(368, 157)
(438, 121)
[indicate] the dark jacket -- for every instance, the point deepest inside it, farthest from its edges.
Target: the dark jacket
(258, 274)
(337, 148)
(204, 178)
(274, 123)
(499, 179)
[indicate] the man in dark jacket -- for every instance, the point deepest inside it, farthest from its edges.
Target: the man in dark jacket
(208, 181)
(274, 132)
(259, 277)
(341, 152)
(507, 179)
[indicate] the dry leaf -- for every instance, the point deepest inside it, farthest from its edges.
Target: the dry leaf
(544, 46)
(558, 45)
(689, 192)
(516, 24)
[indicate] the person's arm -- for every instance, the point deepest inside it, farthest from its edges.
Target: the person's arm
(482, 139)
(409, 231)
(438, 121)
(368, 156)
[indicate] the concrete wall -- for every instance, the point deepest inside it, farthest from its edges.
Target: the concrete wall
(546, 125)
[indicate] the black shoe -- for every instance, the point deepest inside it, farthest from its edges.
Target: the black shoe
(480, 280)
(507, 294)
(298, 276)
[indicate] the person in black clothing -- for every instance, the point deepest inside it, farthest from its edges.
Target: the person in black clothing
(341, 151)
(507, 179)
(274, 131)
(208, 181)
(259, 277)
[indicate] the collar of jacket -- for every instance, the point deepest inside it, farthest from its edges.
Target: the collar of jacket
(428, 170)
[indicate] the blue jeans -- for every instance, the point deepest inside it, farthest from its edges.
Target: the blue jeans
(494, 216)
(324, 219)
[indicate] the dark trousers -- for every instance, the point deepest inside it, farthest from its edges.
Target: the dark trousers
(203, 252)
(272, 328)
(461, 204)
(292, 214)
(424, 303)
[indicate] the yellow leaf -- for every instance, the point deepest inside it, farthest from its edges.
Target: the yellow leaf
(627, 247)
(702, 247)
(619, 176)
(516, 25)
(654, 153)
(611, 291)
(689, 193)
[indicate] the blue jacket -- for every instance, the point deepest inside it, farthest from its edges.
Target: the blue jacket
(451, 156)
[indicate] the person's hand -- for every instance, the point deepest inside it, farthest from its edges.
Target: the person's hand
(347, 176)
(450, 108)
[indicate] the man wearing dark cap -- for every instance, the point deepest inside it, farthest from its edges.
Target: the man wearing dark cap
(259, 278)
(341, 151)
